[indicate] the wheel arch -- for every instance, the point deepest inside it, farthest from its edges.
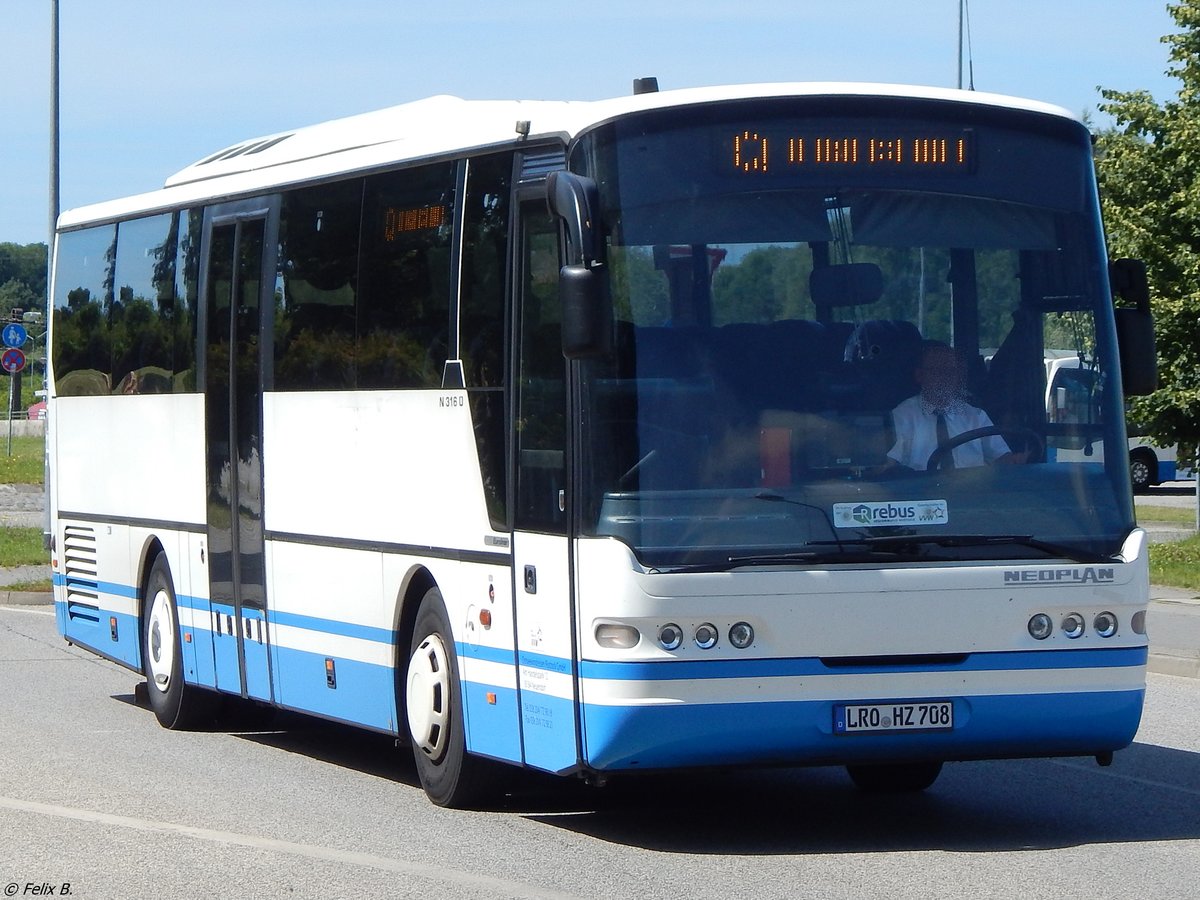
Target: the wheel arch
(152, 549)
(418, 581)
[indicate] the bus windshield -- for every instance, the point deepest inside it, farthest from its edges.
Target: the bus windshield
(787, 277)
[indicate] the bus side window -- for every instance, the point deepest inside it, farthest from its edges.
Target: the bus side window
(482, 332)
(541, 412)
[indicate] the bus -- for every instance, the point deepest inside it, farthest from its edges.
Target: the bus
(552, 435)
(1071, 385)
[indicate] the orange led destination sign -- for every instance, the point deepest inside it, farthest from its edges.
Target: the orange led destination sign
(405, 221)
(755, 152)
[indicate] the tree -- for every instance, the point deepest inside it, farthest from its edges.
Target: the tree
(1148, 167)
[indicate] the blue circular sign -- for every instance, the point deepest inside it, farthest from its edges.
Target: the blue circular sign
(15, 335)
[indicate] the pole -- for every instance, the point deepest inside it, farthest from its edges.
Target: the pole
(53, 124)
(960, 40)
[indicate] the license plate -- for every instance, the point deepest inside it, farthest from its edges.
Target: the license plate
(861, 718)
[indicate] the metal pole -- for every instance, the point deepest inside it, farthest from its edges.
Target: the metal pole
(53, 121)
(960, 41)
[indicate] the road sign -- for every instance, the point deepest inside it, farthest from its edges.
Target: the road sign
(15, 335)
(13, 361)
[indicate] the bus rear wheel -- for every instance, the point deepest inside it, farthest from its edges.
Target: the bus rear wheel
(895, 778)
(176, 705)
(450, 776)
(1142, 471)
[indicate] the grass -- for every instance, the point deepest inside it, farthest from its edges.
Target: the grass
(1166, 515)
(22, 547)
(1176, 564)
(26, 465)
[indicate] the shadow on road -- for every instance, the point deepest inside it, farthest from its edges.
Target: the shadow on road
(1150, 793)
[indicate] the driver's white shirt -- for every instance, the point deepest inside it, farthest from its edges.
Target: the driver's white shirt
(915, 421)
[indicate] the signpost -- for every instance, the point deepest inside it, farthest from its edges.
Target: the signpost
(13, 361)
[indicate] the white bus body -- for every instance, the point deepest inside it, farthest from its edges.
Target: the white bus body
(314, 443)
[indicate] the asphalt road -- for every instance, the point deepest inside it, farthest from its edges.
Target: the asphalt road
(93, 794)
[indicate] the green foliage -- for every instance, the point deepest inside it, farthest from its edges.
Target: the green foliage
(21, 547)
(26, 465)
(22, 277)
(1176, 563)
(1148, 168)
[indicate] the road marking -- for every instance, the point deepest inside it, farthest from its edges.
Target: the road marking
(26, 609)
(494, 886)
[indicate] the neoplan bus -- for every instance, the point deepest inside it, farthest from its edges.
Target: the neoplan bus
(549, 434)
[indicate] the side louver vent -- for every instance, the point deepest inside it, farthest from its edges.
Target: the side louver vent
(536, 164)
(79, 563)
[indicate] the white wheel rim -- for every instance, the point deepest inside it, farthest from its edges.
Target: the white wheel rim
(160, 641)
(428, 697)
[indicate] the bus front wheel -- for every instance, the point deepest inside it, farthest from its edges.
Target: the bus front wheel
(176, 705)
(450, 776)
(895, 778)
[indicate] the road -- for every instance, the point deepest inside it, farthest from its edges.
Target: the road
(95, 795)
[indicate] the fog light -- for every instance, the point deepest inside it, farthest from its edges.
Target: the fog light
(616, 636)
(1138, 622)
(706, 636)
(1105, 624)
(741, 635)
(1072, 625)
(1040, 626)
(670, 637)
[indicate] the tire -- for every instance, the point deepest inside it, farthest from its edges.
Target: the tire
(1141, 472)
(450, 776)
(176, 705)
(895, 778)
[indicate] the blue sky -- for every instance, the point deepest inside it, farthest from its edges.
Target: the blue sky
(149, 87)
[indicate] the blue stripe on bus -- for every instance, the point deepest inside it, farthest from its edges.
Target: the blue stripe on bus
(674, 670)
(801, 732)
(364, 692)
(329, 626)
(485, 654)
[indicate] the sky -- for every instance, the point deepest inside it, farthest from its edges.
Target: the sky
(146, 88)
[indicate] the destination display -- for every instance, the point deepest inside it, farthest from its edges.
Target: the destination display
(763, 152)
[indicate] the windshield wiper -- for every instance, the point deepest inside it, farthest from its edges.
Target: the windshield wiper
(974, 540)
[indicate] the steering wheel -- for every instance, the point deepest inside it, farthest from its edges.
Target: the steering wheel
(1028, 436)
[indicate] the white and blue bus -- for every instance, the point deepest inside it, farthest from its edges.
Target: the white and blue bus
(552, 435)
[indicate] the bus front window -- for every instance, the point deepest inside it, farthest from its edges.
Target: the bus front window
(771, 329)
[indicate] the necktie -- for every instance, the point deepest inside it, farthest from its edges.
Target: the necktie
(943, 438)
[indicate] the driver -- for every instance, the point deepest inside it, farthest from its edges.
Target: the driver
(940, 412)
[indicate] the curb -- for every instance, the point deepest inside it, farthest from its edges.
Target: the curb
(1169, 664)
(26, 598)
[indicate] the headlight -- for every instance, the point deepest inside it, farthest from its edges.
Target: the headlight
(1138, 622)
(1041, 626)
(670, 637)
(1072, 625)
(1105, 624)
(741, 635)
(617, 636)
(706, 636)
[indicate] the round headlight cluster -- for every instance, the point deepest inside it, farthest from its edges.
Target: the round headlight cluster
(1073, 625)
(706, 636)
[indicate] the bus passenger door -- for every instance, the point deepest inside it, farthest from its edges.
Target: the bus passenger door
(542, 592)
(238, 242)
